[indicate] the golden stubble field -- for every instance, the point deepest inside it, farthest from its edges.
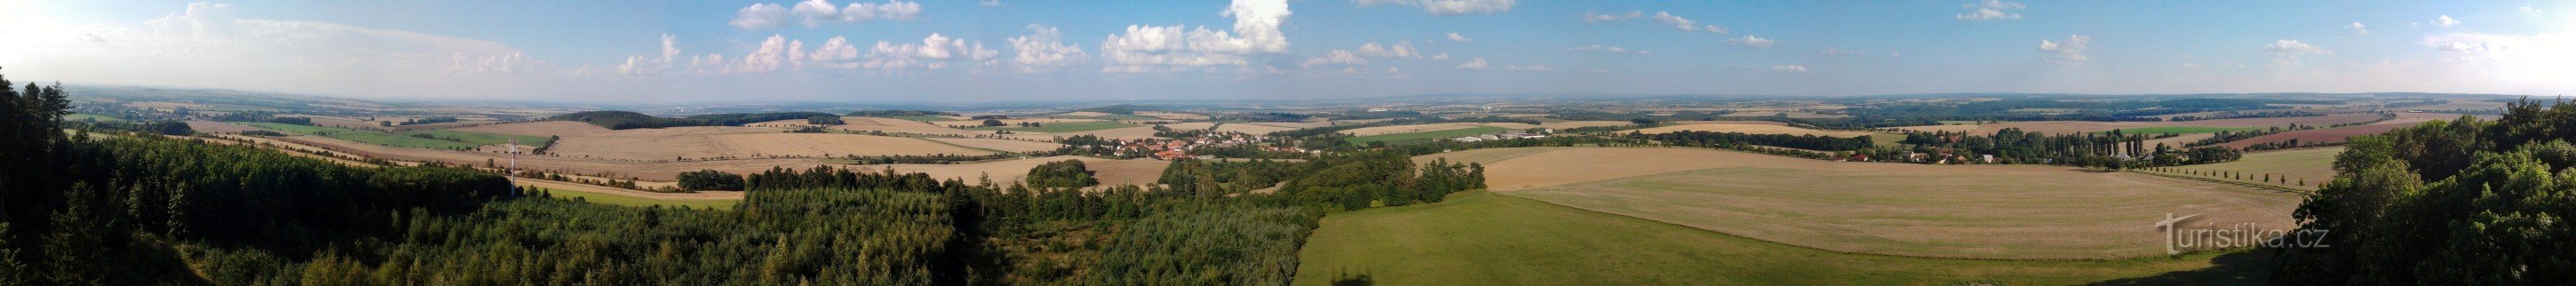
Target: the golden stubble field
(699, 143)
(1411, 128)
(1750, 129)
(2068, 127)
(2001, 212)
(1109, 172)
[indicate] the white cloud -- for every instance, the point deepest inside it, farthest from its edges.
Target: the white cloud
(1685, 24)
(1610, 49)
(2289, 53)
(2357, 27)
(209, 45)
(1990, 10)
(1368, 50)
(2070, 52)
(640, 65)
(1162, 48)
(989, 3)
(1589, 17)
(1449, 7)
(2445, 21)
(1343, 57)
(1461, 39)
(934, 52)
(1752, 41)
(2528, 11)
(814, 13)
(1838, 52)
(1042, 50)
(1476, 64)
(759, 15)
(1789, 68)
(1441, 56)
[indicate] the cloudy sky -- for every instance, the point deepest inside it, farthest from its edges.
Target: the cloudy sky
(654, 51)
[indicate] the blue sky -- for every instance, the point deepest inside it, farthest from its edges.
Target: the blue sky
(615, 51)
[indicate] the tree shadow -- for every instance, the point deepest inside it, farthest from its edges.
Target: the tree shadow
(1345, 279)
(2240, 268)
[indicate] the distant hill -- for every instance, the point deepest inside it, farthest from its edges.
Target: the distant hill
(622, 120)
(1127, 109)
(899, 113)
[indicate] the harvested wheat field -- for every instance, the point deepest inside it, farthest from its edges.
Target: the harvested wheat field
(1004, 145)
(1560, 125)
(1190, 125)
(1984, 211)
(1009, 122)
(1751, 129)
(2068, 127)
(540, 128)
(892, 125)
(1411, 128)
(1171, 115)
(688, 144)
(1249, 128)
(650, 171)
(203, 126)
(1005, 172)
(1137, 132)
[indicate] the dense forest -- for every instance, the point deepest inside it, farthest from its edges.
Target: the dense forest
(2463, 202)
(622, 120)
(99, 207)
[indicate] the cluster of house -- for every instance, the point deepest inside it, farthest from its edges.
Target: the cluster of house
(1177, 148)
(1499, 136)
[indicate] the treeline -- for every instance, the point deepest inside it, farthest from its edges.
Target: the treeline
(2111, 150)
(621, 120)
(2463, 202)
(898, 113)
(1733, 140)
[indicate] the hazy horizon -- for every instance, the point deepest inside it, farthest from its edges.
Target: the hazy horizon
(671, 52)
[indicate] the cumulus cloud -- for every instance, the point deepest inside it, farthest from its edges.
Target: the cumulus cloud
(1042, 50)
(1751, 41)
(1461, 39)
(1441, 57)
(1163, 48)
(2289, 53)
(1685, 24)
(1448, 7)
(641, 65)
(815, 13)
(1589, 17)
(1476, 64)
(210, 45)
(2445, 21)
(1789, 68)
(1344, 57)
(933, 52)
(2358, 28)
(759, 15)
(2068, 52)
(1359, 57)
(1990, 10)
(1610, 49)
(1838, 52)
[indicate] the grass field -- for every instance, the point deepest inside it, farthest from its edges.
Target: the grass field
(640, 202)
(446, 139)
(2179, 130)
(1426, 135)
(1478, 238)
(2314, 166)
(1985, 211)
(91, 117)
(1062, 127)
